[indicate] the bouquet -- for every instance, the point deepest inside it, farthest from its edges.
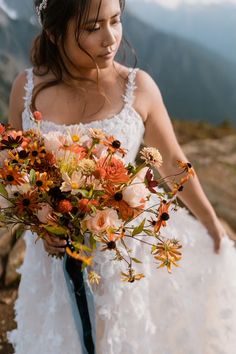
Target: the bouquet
(77, 186)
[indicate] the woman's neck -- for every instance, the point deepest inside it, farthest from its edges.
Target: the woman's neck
(75, 76)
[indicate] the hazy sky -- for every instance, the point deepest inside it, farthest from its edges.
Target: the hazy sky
(175, 3)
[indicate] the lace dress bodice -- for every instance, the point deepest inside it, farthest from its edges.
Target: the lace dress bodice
(127, 125)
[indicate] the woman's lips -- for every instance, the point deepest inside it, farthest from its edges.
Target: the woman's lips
(107, 55)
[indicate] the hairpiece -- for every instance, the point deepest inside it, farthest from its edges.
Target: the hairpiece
(43, 5)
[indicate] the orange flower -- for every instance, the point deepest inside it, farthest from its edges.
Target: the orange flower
(38, 116)
(65, 206)
(113, 198)
(109, 240)
(2, 129)
(168, 253)
(112, 170)
(187, 167)
(42, 182)
(18, 157)
(79, 256)
(163, 215)
(27, 202)
(80, 151)
(12, 175)
(131, 276)
(50, 159)
(114, 146)
(37, 152)
(85, 205)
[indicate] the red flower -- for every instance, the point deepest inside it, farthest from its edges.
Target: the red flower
(65, 206)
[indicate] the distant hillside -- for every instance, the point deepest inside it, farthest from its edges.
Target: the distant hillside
(195, 83)
(212, 25)
(15, 41)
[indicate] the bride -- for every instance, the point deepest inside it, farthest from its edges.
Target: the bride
(76, 83)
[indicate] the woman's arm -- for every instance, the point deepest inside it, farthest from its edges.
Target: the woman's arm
(159, 133)
(16, 102)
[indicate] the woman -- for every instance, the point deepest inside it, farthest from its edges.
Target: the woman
(75, 82)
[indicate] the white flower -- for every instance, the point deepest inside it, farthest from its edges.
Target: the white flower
(97, 134)
(72, 184)
(75, 134)
(4, 203)
(44, 213)
(102, 220)
(135, 194)
(87, 166)
(151, 156)
(54, 142)
(22, 189)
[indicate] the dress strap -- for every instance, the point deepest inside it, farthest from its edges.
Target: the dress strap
(29, 86)
(130, 87)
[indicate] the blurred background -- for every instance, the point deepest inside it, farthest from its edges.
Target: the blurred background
(189, 48)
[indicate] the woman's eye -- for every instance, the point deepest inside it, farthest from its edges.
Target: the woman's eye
(93, 29)
(116, 21)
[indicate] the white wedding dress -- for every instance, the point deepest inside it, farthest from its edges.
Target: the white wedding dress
(192, 311)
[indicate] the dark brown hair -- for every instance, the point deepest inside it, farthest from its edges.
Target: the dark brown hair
(46, 56)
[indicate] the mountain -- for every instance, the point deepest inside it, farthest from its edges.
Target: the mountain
(15, 40)
(213, 26)
(17, 8)
(195, 83)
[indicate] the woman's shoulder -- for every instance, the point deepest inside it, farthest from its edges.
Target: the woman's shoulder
(145, 82)
(147, 93)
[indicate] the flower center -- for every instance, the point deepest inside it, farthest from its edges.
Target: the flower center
(118, 196)
(165, 216)
(116, 144)
(111, 245)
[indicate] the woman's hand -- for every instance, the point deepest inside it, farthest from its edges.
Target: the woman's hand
(217, 232)
(54, 245)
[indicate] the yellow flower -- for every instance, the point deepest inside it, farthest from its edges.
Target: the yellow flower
(94, 278)
(130, 276)
(168, 253)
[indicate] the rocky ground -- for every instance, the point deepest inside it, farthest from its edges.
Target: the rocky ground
(213, 154)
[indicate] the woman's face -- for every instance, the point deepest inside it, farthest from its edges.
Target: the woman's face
(100, 39)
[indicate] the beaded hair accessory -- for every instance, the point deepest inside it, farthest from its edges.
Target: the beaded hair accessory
(43, 5)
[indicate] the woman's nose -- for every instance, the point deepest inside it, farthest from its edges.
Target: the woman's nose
(109, 38)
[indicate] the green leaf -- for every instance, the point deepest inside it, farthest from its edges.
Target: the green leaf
(20, 230)
(82, 247)
(56, 230)
(136, 260)
(137, 230)
(3, 190)
(92, 241)
(32, 176)
(148, 232)
(84, 192)
(154, 247)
